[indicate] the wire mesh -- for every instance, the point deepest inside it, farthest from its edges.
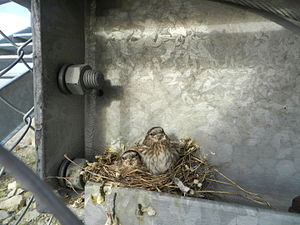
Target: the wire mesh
(20, 53)
(59, 210)
(27, 116)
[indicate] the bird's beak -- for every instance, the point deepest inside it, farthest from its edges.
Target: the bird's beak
(161, 136)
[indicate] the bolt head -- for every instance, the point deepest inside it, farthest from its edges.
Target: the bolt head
(74, 78)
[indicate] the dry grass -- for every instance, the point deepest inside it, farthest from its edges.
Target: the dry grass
(192, 176)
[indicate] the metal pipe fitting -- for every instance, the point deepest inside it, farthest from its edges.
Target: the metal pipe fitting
(78, 79)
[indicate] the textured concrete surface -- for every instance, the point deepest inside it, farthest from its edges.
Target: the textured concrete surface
(223, 76)
(171, 209)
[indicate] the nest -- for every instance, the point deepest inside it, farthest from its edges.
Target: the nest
(192, 176)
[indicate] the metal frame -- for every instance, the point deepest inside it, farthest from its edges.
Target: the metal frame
(59, 117)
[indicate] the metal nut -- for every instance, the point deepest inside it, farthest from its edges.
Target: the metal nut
(72, 173)
(74, 78)
(78, 79)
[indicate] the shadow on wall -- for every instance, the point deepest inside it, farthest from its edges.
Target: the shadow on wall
(223, 76)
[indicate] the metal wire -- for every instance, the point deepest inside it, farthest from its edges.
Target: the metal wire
(50, 220)
(24, 211)
(7, 38)
(20, 53)
(2, 72)
(20, 50)
(28, 121)
(26, 116)
(268, 7)
(264, 11)
(11, 106)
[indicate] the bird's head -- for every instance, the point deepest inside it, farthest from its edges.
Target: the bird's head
(154, 135)
(131, 158)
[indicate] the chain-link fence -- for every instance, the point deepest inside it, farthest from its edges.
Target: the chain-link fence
(25, 116)
(16, 167)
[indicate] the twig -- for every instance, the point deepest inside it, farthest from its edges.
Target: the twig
(231, 193)
(232, 182)
(79, 165)
(66, 179)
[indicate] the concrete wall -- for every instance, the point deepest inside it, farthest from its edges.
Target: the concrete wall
(223, 76)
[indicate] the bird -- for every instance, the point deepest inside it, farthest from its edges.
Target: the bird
(128, 162)
(131, 159)
(157, 151)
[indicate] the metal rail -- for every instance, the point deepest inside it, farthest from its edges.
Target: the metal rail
(274, 7)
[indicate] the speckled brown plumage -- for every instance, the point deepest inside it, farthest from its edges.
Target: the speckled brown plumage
(131, 159)
(157, 151)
